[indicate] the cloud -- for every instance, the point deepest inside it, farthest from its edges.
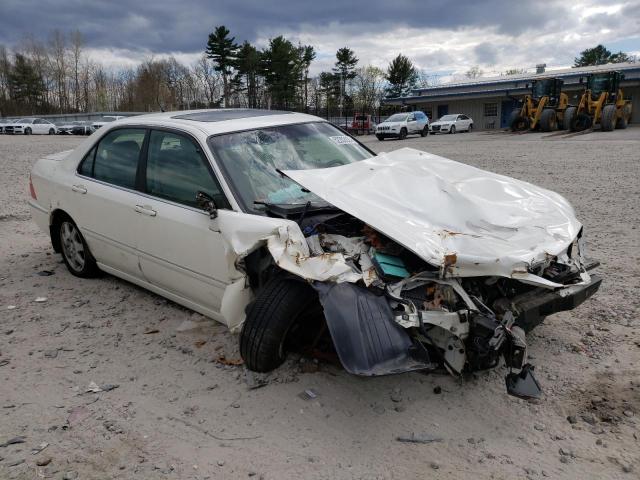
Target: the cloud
(438, 36)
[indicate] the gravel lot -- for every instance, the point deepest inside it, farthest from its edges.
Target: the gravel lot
(181, 411)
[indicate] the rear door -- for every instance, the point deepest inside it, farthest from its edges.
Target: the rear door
(181, 250)
(103, 198)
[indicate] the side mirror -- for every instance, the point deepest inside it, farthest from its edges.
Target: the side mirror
(205, 201)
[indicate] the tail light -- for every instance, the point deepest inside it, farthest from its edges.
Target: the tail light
(32, 190)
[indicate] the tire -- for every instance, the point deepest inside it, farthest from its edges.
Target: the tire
(75, 251)
(278, 306)
(569, 115)
(425, 131)
(548, 120)
(470, 127)
(52, 131)
(512, 117)
(403, 134)
(520, 124)
(581, 122)
(380, 137)
(625, 118)
(27, 131)
(608, 118)
(452, 130)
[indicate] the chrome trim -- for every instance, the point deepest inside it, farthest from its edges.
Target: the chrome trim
(33, 204)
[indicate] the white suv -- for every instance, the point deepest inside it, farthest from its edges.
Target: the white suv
(399, 125)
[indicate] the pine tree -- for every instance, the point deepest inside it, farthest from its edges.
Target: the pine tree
(223, 51)
(345, 67)
(248, 66)
(402, 76)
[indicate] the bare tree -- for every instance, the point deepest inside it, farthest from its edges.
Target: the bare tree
(77, 43)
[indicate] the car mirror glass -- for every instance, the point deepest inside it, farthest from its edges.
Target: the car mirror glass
(206, 202)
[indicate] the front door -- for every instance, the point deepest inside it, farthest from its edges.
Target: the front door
(180, 249)
(505, 112)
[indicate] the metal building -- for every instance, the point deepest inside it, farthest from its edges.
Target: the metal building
(489, 101)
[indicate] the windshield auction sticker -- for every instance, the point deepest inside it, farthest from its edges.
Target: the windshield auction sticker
(343, 140)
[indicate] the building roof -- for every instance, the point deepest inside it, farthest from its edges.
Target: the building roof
(506, 85)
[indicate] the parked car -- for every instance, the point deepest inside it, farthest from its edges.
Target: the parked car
(362, 123)
(106, 119)
(28, 126)
(83, 128)
(452, 124)
(399, 125)
(66, 128)
(278, 224)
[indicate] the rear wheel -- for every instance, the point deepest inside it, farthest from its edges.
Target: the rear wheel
(548, 120)
(624, 120)
(569, 115)
(470, 127)
(425, 131)
(75, 252)
(280, 307)
(52, 131)
(520, 124)
(403, 134)
(608, 118)
(581, 122)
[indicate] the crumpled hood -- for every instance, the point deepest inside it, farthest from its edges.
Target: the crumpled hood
(467, 221)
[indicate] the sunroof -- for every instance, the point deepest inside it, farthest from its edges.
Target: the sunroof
(224, 114)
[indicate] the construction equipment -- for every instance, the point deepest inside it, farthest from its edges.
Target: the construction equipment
(543, 108)
(602, 102)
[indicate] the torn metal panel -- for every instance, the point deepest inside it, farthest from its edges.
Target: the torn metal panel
(368, 340)
(466, 221)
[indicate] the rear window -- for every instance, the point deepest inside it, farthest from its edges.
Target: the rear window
(117, 156)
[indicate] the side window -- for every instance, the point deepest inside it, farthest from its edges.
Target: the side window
(86, 167)
(39, 121)
(177, 170)
(116, 159)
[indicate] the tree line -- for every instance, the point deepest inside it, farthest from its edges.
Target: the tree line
(59, 76)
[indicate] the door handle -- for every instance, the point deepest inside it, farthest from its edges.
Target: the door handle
(145, 210)
(79, 188)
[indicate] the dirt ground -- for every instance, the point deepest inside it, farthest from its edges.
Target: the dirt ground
(182, 409)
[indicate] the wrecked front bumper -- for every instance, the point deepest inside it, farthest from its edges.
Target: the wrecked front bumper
(534, 306)
(371, 341)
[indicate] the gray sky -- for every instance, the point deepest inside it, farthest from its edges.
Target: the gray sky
(440, 37)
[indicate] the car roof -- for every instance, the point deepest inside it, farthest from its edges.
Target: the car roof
(217, 121)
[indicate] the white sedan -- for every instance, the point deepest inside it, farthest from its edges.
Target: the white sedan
(29, 126)
(452, 124)
(279, 225)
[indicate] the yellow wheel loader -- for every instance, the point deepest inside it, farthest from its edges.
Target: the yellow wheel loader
(602, 103)
(542, 109)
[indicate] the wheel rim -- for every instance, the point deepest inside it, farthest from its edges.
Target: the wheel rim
(453, 129)
(72, 246)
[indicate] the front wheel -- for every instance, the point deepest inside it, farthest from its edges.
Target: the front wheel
(380, 137)
(608, 118)
(283, 305)
(424, 132)
(75, 252)
(548, 120)
(27, 131)
(453, 129)
(569, 115)
(403, 134)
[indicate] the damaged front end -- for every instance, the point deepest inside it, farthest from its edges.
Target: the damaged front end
(402, 314)
(420, 263)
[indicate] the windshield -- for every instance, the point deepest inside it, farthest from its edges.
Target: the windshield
(398, 117)
(598, 84)
(251, 160)
(447, 118)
